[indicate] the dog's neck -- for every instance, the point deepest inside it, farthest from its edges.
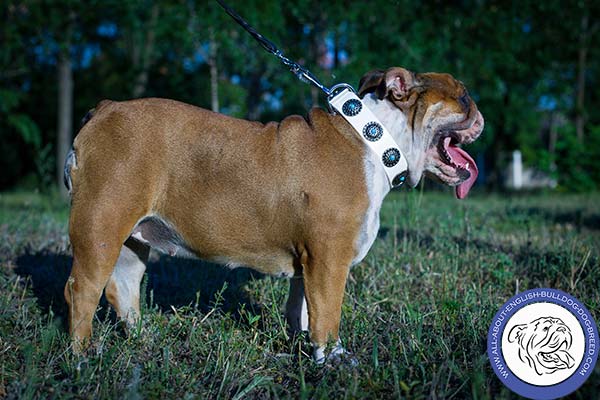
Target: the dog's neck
(376, 180)
(396, 123)
(389, 115)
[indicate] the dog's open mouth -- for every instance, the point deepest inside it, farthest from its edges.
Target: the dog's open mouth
(462, 163)
(558, 357)
(557, 354)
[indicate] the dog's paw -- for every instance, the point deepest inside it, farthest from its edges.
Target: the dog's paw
(337, 355)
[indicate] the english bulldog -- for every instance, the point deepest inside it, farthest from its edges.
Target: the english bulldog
(299, 198)
(544, 344)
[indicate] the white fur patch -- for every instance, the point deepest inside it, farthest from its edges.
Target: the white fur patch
(126, 278)
(319, 355)
(336, 353)
(375, 177)
(139, 237)
(227, 262)
(377, 189)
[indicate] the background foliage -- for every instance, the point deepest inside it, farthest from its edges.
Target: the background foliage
(416, 311)
(527, 64)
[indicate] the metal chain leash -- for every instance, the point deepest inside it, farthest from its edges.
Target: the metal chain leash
(301, 73)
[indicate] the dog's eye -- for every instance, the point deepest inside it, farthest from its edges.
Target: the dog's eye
(464, 101)
(546, 329)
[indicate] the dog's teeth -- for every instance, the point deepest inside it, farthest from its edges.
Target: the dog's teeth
(467, 166)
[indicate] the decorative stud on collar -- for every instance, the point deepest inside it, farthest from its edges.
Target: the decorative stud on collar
(351, 107)
(372, 131)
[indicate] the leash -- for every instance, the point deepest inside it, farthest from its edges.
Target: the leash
(343, 99)
(301, 73)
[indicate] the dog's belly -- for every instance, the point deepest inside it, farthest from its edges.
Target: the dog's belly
(161, 235)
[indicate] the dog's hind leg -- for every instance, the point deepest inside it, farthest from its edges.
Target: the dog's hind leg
(123, 287)
(97, 230)
(94, 258)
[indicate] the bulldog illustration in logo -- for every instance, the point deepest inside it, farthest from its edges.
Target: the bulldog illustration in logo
(544, 344)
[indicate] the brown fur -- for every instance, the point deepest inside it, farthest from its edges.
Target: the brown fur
(283, 198)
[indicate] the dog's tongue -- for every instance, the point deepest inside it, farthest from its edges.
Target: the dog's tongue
(464, 160)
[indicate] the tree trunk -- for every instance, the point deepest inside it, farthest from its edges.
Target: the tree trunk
(501, 146)
(141, 80)
(318, 55)
(581, 66)
(314, 96)
(254, 95)
(553, 136)
(336, 50)
(214, 72)
(65, 114)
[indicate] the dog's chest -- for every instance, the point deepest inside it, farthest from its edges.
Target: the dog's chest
(377, 187)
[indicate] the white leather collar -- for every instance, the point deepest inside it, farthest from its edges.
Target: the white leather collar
(371, 131)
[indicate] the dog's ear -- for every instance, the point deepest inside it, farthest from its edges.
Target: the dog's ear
(516, 333)
(401, 87)
(370, 82)
(399, 82)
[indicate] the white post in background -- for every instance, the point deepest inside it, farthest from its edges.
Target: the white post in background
(517, 170)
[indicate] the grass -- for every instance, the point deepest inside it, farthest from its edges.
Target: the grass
(416, 310)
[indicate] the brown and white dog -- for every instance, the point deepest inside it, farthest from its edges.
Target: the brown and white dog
(298, 199)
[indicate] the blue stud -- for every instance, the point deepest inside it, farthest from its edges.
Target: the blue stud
(391, 157)
(399, 179)
(352, 107)
(372, 131)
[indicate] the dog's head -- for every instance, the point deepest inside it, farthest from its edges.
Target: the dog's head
(544, 344)
(437, 115)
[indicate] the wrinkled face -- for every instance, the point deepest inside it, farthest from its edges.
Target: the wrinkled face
(544, 343)
(440, 116)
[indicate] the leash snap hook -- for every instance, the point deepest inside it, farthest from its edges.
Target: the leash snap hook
(334, 91)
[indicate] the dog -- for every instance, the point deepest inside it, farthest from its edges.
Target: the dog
(544, 344)
(298, 199)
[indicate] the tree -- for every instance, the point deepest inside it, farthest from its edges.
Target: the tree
(59, 25)
(586, 32)
(141, 41)
(529, 66)
(65, 102)
(19, 133)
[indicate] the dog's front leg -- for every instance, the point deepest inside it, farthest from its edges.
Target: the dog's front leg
(296, 309)
(324, 288)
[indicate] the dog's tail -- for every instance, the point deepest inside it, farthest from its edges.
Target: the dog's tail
(70, 162)
(71, 159)
(86, 118)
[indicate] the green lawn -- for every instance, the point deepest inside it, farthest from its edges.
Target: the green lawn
(416, 310)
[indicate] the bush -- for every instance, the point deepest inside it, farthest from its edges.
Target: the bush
(577, 165)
